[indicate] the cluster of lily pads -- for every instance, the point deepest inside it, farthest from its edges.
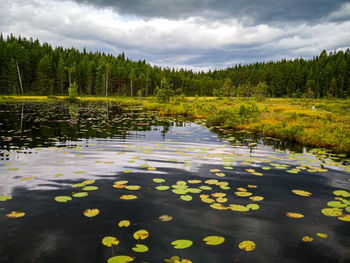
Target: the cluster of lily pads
(339, 207)
(142, 234)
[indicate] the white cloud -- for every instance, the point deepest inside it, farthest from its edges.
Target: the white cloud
(191, 42)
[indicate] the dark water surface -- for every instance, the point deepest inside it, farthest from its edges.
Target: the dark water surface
(49, 150)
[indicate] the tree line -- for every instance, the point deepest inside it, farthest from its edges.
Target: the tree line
(27, 66)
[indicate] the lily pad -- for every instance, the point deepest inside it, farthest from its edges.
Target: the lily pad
(302, 193)
(63, 199)
(139, 248)
(294, 215)
(110, 241)
(124, 223)
(158, 180)
(186, 197)
(213, 240)
(182, 243)
(341, 193)
(345, 218)
(120, 259)
(162, 187)
(5, 198)
(90, 188)
(307, 239)
(247, 245)
(322, 235)
(332, 211)
(91, 212)
(81, 194)
(165, 218)
(253, 206)
(128, 197)
(16, 214)
(141, 234)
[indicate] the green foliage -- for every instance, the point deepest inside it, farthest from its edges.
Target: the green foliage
(164, 93)
(47, 70)
(234, 116)
(73, 92)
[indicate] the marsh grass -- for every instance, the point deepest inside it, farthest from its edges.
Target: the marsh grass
(310, 122)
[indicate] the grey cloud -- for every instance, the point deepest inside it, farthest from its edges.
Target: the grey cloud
(246, 11)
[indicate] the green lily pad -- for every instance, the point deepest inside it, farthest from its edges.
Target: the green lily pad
(186, 197)
(332, 211)
(253, 206)
(182, 243)
(341, 193)
(213, 240)
(162, 187)
(90, 188)
(337, 204)
(81, 194)
(120, 259)
(5, 198)
(158, 180)
(140, 248)
(63, 199)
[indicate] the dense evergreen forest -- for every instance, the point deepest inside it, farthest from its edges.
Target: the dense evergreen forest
(46, 70)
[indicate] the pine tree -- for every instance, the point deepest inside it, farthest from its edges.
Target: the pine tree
(45, 76)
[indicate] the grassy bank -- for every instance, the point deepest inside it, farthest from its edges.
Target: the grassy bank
(311, 122)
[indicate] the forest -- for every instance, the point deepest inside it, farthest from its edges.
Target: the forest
(47, 70)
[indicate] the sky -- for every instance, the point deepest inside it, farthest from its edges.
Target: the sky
(194, 34)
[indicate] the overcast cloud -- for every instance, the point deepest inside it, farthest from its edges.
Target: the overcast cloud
(196, 34)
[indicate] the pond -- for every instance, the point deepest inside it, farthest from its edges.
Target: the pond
(94, 183)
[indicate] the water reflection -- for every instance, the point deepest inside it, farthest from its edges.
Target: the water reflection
(48, 150)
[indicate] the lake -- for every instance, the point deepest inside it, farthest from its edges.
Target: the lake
(162, 190)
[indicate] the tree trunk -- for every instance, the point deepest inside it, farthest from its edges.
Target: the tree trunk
(19, 77)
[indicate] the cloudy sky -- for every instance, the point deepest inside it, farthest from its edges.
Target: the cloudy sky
(196, 34)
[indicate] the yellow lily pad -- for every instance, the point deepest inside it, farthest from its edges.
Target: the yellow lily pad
(91, 212)
(322, 235)
(16, 214)
(5, 198)
(332, 211)
(307, 239)
(238, 208)
(141, 234)
(128, 197)
(110, 241)
(345, 218)
(256, 198)
(294, 215)
(213, 240)
(302, 193)
(247, 245)
(165, 218)
(124, 223)
(132, 187)
(243, 194)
